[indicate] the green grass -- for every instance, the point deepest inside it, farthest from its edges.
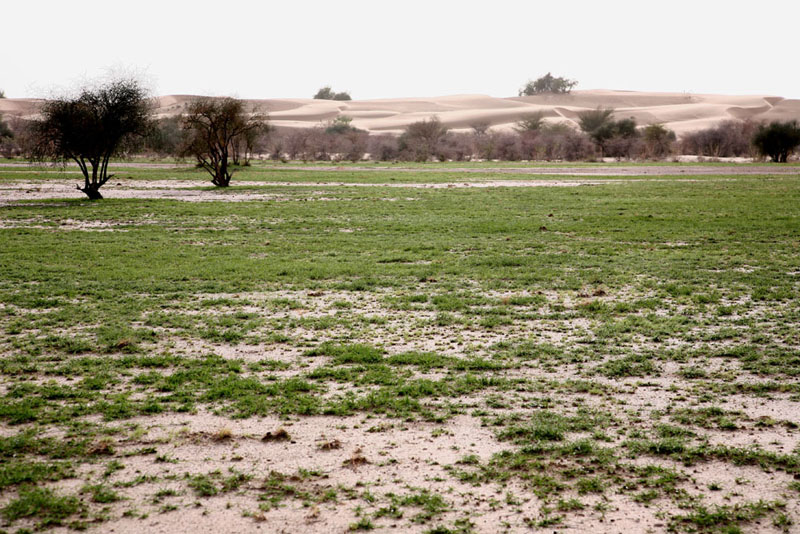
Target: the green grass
(551, 315)
(45, 506)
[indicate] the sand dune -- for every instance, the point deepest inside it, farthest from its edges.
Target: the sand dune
(682, 112)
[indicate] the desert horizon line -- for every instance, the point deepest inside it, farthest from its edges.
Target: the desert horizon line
(233, 94)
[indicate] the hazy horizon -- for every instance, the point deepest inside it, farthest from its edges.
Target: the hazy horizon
(418, 49)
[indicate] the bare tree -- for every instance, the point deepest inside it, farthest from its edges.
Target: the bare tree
(480, 127)
(422, 140)
(92, 127)
(213, 126)
(245, 143)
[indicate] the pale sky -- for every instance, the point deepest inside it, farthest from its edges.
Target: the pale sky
(408, 48)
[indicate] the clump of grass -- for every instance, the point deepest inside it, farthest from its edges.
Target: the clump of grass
(329, 445)
(430, 504)
(365, 523)
(49, 508)
(726, 518)
(24, 471)
(356, 459)
(101, 494)
(223, 434)
(203, 485)
(632, 365)
(277, 435)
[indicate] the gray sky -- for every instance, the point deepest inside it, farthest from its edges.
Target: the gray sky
(378, 49)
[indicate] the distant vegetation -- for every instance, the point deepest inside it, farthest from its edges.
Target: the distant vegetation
(326, 93)
(777, 140)
(533, 138)
(424, 140)
(614, 138)
(220, 140)
(548, 84)
(5, 130)
(726, 139)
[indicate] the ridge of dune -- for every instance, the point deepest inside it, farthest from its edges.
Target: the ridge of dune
(682, 112)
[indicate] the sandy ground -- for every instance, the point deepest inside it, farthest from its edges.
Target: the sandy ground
(12, 191)
(365, 456)
(186, 190)
(9, 170)
(681, 112)
(360, 456)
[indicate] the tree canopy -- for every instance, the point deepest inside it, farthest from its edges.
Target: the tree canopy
(326, 93)
(422, 139)
(777, 140)
(548, 84)
(214, 126)
(91, 128)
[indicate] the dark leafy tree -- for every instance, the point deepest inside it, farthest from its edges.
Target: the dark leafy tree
(213, 126)
(615, 138)
(92, 127)
(777, 140)
(326, 93)
(341, 124)
(595, 120)
(548, 84)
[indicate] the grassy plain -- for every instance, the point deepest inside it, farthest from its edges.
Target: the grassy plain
(617, 356)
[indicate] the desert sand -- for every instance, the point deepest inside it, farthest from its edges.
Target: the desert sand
(681, 112)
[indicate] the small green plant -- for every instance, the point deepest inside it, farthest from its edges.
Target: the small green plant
(364, 523)
(101, 494)
(42, 504)
(203, 485)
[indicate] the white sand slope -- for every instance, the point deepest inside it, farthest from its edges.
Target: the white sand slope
(681, 112)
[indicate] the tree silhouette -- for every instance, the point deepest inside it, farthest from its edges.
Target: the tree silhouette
(91, 128)
(214, 126)
(777, 140)
(548, 84)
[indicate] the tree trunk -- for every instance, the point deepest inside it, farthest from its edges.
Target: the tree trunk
(93, 192)
(222, 178)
